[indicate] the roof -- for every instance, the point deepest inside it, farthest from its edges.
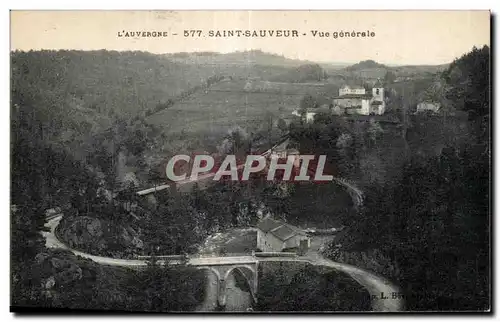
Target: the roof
(317, 110)
(353, 86)
(323, 110)
(429, 102)
(362, 96)
(284, 232)
(279, 229)
(378, 83)
(268, 224)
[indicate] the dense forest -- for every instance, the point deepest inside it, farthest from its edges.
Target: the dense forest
(125, 83)
(364, 65)
(302, 74)
(428, 229)
(75, 116)
(319, 289)
(44, 176)
(249, 57)
(45, 278)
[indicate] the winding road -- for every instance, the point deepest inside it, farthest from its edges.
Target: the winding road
(384, 295)
(380, 289)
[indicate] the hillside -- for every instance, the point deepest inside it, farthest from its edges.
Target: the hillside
(79, 95)
(88, 90)
(302, 74)
(125, 83)
(365, 64)
(252, 57)
(371, 69)
(414, 69)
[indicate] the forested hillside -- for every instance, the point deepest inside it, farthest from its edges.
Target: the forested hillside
(124, 83)
(75, 116)
(44, 176)
(428, 229)
(92, 104)
(77, 129)
(365, 64)
(251, 57)
(302, 74)
(374, 70)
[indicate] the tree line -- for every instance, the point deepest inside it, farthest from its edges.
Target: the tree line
(212, 80)
(428, 230)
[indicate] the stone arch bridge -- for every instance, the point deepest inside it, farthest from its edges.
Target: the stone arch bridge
(248, 270)
(220, 267)
(247, 265)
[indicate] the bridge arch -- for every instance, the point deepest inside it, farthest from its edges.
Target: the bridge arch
(212, 270)
(250, 275)
(251, 270)
(212, 289)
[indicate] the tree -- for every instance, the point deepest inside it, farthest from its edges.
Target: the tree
(237, 141)
(269, 118)
(389, 77)
(374, 131)
(434, 226)
(282, 126)
(308, 101)
(468, 81)
(155, 176)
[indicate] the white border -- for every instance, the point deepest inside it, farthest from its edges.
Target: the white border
(257, 5)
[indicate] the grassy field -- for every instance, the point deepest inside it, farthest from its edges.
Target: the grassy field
(223, 107)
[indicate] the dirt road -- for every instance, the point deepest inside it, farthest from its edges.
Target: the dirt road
(380, 289)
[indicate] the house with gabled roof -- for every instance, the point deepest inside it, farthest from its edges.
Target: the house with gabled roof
(352, 90)
(277, 236)
(355, 100)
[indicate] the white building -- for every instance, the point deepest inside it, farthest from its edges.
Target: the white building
(310, 113)
(352, 90)
(308, 117)
(355, 100)
(276, 236)
(428, 106)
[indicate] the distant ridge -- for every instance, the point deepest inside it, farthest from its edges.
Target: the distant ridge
(302, 73)
(251, 57)
(365, 64)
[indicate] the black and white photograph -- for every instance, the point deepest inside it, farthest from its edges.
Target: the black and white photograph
(250, 161)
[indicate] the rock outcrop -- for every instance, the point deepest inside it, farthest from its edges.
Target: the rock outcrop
(100, 237)
(56, 270)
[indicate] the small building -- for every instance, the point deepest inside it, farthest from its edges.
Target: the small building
(352, 90)
(308, 116)
(276, 236)
(428, 106)
(338, 110)
(310, 113)
(356, 101)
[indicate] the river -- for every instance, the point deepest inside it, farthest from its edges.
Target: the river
(238, 298)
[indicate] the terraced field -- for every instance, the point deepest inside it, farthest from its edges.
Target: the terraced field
(227, 105)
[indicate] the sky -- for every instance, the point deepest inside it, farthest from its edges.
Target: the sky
(401, 37)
